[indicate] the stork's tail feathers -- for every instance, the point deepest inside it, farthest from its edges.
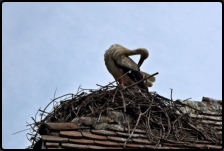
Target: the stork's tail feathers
(152, 79)
(148, 82)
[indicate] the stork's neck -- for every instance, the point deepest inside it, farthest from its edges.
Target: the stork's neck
(142, 51)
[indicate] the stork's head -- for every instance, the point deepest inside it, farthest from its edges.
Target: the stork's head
(144, 54)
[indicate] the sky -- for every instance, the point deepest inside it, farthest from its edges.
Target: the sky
(61, 45)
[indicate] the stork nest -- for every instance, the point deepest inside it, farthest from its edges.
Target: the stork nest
(159, 116)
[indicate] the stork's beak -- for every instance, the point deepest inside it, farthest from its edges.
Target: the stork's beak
(140, 62)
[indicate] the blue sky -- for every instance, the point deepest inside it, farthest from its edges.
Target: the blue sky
(49, 45)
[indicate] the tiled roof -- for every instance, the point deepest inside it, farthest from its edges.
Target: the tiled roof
(84, 133)
(88, 138)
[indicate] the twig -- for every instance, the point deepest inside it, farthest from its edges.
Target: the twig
(180, 117)
(140, 114)
(99, 117)
(123, 101)
(35, 122)
(36, 114)
(20, 131)
(141, 80)
(78, 89)
(54, 97)
(44, 111)
(115, 80)
(187, 99)
(90, 108)
(114, 95)
(171, 95)
(157, 143)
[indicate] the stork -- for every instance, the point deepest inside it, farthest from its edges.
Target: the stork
(117, 62)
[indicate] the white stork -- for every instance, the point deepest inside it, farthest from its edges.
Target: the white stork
(117, 62)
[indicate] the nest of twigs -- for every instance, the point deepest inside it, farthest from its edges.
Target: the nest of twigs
(159, 116)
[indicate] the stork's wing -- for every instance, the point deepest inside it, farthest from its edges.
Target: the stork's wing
(127, 63)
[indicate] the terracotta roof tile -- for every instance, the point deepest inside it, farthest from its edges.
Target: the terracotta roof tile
(103, 147)
(117, 139)
(53, 138)
(103, 132)
(81, 141)
(213, 147)
(75, 134)
(54, 133)
(116, 127)
(139, 140)
(78, 146)
(126, 134)
(135, 146)
(56, 126)
(162, 147)
(187, 145)
(61, 126)
(107, 143)
(174, 147)
(94, 136)
(59, 147)
(149, 146)
(133, 136)
(140, 131)
(50, 144)
(142, 136)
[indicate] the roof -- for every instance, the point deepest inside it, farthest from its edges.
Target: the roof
(69, 135)
(104, 133)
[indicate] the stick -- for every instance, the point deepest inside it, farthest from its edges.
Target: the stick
(140, 114)
(171, 95)
(186, 99)
(157, 144)
(20, 131)
(114, 95)
(53, 100)
(142, 80)
(116, 79)
(123, 101)
(43, 111)
(36, 114)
